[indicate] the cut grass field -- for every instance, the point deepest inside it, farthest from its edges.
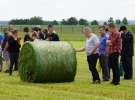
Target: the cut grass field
(12, 88)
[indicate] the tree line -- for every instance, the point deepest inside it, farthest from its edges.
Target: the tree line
(70, 21)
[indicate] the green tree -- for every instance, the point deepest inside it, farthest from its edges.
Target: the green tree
(55, 22)
(94, 22)
(72, 21)
(19, 22)
(46, 22)
(118, 21)
(125, 21)
(64, 22)
(105, 23)
(83, 22)
(36, 21)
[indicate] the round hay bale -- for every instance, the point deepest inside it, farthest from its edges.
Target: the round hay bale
(47, 62)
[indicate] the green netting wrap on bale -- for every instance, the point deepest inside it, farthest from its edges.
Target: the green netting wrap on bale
(47, 62)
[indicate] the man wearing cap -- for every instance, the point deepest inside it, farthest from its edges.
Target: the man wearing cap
(127, 52)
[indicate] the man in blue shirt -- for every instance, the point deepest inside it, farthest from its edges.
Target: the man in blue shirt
(1, 37)
(1, 62)
(103, 54)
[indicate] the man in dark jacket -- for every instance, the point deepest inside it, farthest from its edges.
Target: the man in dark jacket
(52, 36)
(14, 49)
(27, 35)
(40, 34)
(127, 52)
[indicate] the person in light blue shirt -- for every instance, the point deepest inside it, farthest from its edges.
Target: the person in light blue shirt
(103, 58)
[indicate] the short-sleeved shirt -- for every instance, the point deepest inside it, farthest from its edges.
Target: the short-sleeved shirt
(102, 45)
(91, 43)
(115, 46)
(53, 37)
(13, 45)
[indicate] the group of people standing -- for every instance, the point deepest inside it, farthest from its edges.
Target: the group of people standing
(10, 44)
(111, 47)
(108, 47)
(38, 34)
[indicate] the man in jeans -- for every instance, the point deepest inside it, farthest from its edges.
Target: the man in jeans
(92, 43)
(114, 43)
(103, 57)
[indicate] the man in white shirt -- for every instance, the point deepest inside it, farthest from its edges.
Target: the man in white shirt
(91, 48)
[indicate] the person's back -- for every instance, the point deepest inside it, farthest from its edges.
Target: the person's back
(45, 34)
(41, 35)
(27, 36)
(13, 45)
(127, 44)
(52, 36)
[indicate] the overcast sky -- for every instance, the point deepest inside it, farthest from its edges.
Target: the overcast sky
(60, 9)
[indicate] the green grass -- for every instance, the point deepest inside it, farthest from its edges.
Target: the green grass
(12, 88)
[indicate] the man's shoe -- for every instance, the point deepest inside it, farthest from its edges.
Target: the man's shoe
(93, 82)
(10, 73)
(115, 83)
(15, 69)
(97, 82)
(6, 71)
(112, 82)
(105, 80)
(127, 78)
